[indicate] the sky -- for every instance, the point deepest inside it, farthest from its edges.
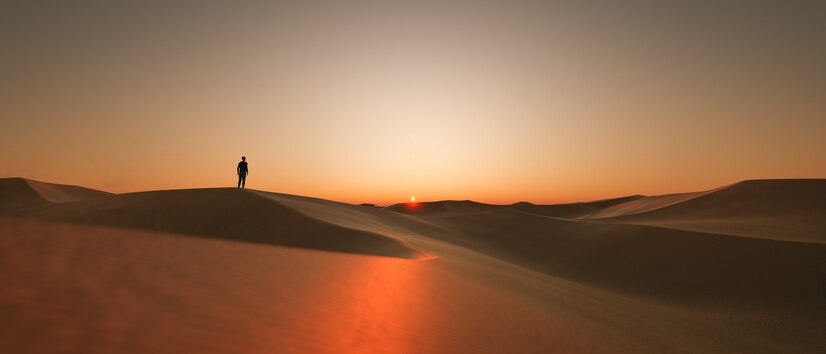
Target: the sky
(378, 101)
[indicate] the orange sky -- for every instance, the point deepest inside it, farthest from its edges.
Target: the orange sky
(377, 101)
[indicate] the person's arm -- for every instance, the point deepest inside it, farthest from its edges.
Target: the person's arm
(238, 169)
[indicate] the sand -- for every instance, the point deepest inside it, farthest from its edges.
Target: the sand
(241, 271)
(791, 210)
(15, 192)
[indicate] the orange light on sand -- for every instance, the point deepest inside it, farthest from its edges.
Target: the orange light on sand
(381, 304)
(412, 205)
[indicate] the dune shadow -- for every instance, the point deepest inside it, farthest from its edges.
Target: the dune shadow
(224, 213)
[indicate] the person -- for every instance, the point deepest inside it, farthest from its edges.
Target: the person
(243, 171)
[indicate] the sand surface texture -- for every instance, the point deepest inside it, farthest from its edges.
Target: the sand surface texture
(738, 269)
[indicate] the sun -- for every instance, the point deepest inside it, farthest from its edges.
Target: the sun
(412, 198)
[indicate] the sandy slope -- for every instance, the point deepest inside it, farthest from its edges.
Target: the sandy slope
(81, 289)
(651, 261)
(461, 207)
(20, 191)
(468, 277)
(778, 209)
(573, 210)
(227, 213)
(644, 204)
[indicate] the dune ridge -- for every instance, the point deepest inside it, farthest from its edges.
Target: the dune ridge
(791, 209)
(650, 261)
(441, 208)
(446, 208)
(226, 213)
(572, 210)
(645, 204)
(18, 191)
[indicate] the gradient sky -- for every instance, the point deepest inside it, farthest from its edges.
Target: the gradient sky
(495, 101)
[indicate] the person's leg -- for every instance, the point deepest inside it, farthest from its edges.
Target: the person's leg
(239, 180)
(243, 181)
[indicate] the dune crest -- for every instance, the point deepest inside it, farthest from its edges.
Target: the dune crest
(573, 210)
(649, 261)
(20, 191)
(441, 208)
(645, 204)
(789, 209)
(226, 213)
(447, 208)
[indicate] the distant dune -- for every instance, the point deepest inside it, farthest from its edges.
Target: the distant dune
(651, 261)
(735, 269)
(573, 210)
(644, 204)
(21, 191)
(441, 208)
(791, 210)
(461, 207)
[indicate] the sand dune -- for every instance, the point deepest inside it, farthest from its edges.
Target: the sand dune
(778, 209)
(572, 210)
(20, 191)
(644, 204)
(219, 212)
(81, 289)
(122, 273)
(651, 261)
(461, 207)
(442, 208)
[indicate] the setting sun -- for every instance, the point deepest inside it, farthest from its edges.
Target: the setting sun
(413, 199)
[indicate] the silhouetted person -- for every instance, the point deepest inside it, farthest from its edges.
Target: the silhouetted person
(243, 171)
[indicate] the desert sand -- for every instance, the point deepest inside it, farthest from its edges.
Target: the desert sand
(737, 269)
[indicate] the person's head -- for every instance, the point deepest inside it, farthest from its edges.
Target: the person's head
(243, 158)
